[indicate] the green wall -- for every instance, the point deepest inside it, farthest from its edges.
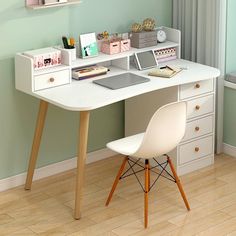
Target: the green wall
(230, 94)
(23, 29)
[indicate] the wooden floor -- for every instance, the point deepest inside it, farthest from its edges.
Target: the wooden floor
(47, 209)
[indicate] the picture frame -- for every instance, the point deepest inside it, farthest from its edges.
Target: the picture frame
(88, 43)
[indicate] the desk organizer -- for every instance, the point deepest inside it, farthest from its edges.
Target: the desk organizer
(165, 54)
(116, 46)
(143, 39)
(124, 45)
(110, 47)
(45, 57)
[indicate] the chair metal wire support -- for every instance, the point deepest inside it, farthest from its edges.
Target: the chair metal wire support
(167, 172)
(132, 163)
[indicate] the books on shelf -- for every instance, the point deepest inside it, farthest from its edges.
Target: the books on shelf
(88, 72)
(166, 71)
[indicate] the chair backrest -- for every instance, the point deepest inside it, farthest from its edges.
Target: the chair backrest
(164, 131)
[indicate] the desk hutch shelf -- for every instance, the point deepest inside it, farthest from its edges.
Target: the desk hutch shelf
(34, 4)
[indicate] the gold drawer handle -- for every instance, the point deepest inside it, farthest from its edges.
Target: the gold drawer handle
(197, 86)
(51, 80)
(197, 107)
(197, 128)
(197, 149)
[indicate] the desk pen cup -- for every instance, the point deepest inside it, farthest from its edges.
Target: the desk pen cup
(68, 55)
(72, 53)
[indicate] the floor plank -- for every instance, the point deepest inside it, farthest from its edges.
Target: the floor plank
(48, 208)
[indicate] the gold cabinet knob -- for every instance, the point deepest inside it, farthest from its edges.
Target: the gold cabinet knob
(197, 149)
(51, 79)
(197, 85)
(197, 107)
(197, 128)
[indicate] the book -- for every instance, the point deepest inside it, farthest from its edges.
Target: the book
(166, 72)
(88, 72)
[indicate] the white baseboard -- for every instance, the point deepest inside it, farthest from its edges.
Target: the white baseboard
(53, 169)
(229, 150)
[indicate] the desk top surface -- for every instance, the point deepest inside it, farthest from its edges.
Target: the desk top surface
(85, 95)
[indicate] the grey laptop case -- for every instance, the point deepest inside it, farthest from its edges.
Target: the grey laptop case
(121, 81)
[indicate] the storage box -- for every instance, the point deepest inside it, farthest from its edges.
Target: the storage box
(143, 39)
(167, 54)
(124, 45)
(45, 57)
(110, 47)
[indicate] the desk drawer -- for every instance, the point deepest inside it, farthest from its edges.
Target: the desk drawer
(197, 88)
(198, 128)
(200, 106)
(50, 80)
(195, 150)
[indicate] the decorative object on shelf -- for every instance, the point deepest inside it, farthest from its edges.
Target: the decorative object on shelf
(103, 35)
(161, 36)
(88, 45)
(136, 27)
(148, 24)
(44, 57)
(166, 54)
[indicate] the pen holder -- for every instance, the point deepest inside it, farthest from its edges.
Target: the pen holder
(72, 53)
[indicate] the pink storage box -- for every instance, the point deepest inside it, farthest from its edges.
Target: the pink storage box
(110, 47)
(45, 57)
(124, 45)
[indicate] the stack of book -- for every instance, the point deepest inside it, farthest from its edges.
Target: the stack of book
(88, 72)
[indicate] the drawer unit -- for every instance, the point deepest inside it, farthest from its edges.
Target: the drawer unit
(50, 80)
(195, 150)
(198, 128)
(200, 106)
(197, 88)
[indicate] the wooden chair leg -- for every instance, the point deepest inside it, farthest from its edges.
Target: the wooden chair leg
(149, 177)
(116, 180)
(147, 184)
(178, 183)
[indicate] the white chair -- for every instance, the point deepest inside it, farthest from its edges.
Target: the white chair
(164, 132)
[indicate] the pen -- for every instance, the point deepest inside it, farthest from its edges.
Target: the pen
(72, 42)
(169, 68)
(65, 42)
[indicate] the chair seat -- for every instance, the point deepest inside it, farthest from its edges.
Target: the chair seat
(126, 146)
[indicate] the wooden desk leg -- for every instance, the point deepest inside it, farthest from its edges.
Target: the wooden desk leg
(36, 142)
(82, 152)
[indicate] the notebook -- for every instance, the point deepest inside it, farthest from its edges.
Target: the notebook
(121, 81)
(166, 72)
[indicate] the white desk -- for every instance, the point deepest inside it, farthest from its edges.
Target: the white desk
(85, 96)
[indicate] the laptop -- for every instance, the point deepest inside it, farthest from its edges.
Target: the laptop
(121, 81)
